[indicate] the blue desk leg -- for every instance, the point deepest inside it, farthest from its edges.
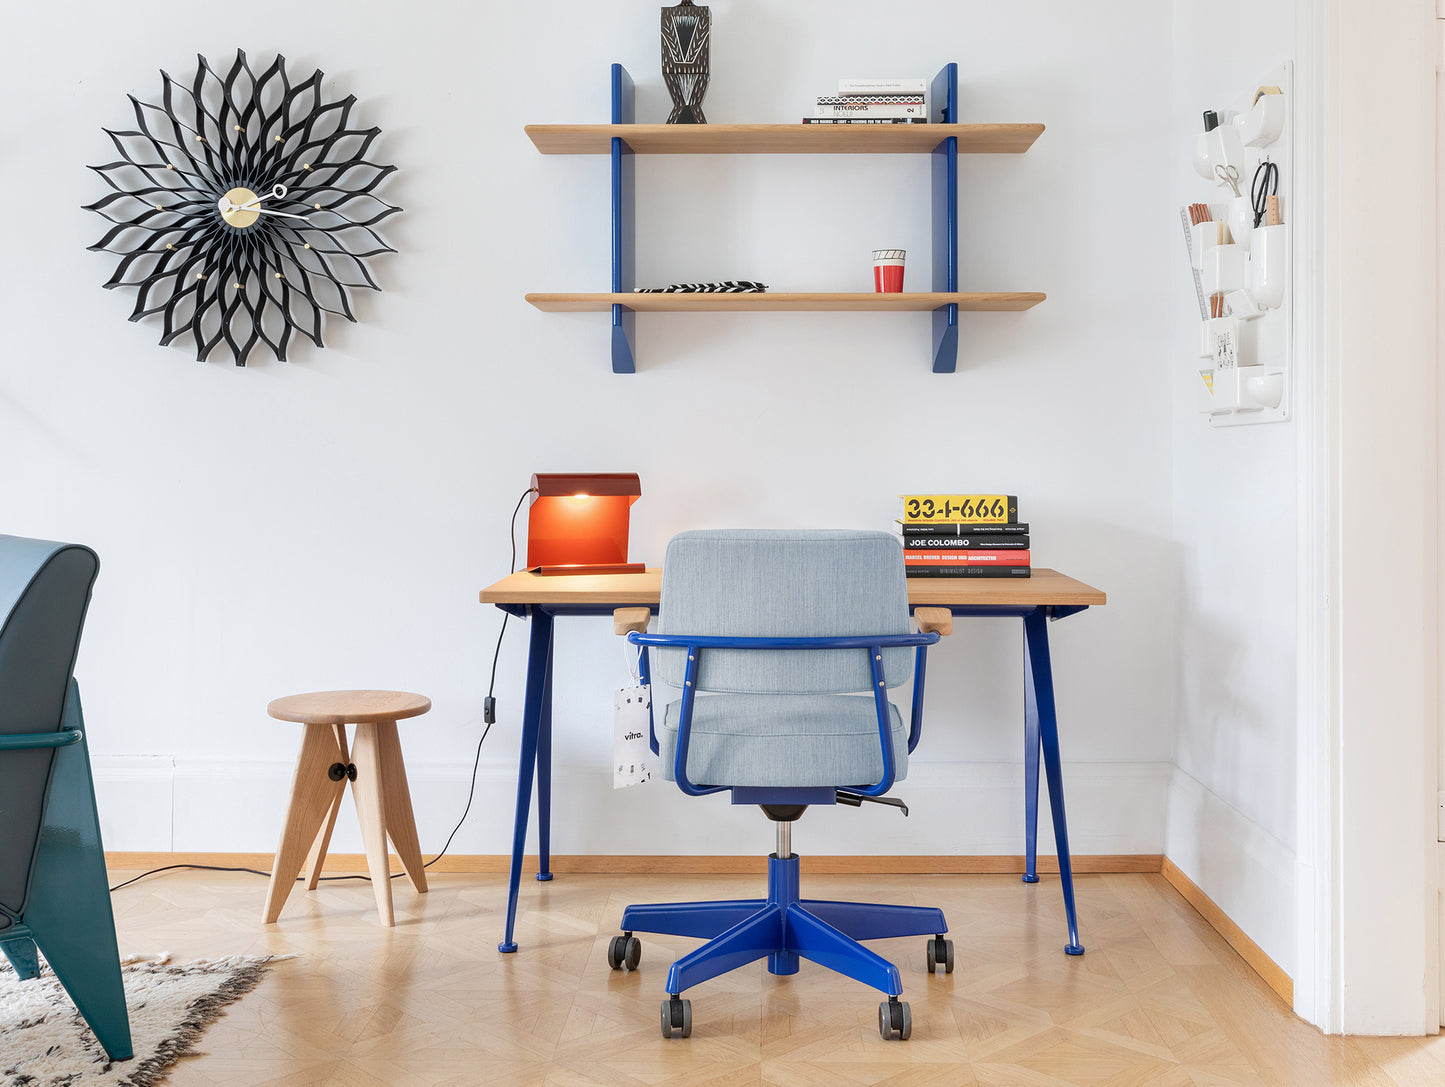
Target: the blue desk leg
(1031, 781)
(544, 778)
(1039, 709)
(539, 652)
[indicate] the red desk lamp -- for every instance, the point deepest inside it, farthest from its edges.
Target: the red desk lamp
(577, 524)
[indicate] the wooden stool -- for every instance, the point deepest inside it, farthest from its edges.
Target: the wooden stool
(383, 802)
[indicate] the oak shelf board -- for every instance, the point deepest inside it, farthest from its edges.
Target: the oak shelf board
(984, 139)
(778, 301)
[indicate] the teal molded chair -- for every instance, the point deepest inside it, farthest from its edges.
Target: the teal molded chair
(784, 645)
(53, 889)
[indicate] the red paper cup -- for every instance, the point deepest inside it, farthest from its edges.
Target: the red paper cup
(888, 270)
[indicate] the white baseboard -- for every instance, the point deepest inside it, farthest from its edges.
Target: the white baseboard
(133, 796)
(1245, 870)
(161, 804)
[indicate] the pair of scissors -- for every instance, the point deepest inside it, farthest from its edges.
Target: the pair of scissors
(1265, 185)
(1229, 175)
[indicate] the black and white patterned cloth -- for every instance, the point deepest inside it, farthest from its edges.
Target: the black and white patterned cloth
(729, 286)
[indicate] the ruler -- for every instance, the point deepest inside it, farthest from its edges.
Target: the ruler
(1189, 248)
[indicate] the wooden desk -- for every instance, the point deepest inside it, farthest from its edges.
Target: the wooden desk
(1036, 600)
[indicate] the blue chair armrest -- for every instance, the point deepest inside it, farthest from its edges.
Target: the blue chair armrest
(31, 741)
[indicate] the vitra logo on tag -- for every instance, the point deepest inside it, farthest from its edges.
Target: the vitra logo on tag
(633, 736)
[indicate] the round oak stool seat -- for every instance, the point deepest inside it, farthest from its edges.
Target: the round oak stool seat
(378, 779)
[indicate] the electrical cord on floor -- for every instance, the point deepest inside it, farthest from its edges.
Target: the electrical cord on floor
(489, 716)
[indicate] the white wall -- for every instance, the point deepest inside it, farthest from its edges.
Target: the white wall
(1232, 798)
(327, 522)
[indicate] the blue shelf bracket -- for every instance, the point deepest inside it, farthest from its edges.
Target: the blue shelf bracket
(943, 99)
(624, 223)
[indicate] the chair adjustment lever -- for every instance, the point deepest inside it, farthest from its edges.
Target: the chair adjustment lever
(856, 800)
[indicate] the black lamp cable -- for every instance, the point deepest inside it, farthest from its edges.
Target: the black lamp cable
(489, 716)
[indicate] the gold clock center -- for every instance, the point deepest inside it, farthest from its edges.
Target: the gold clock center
(233, 210)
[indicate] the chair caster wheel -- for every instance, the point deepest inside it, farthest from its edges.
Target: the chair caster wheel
(624, 952)
(940, 953)
(895, 1020)
(676, 1018)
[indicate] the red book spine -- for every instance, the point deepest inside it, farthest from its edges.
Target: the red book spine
(960, 556)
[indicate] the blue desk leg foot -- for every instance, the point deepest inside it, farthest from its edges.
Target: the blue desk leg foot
(1073, 949)
(544, 877)
(1027, 878)
(507, 948)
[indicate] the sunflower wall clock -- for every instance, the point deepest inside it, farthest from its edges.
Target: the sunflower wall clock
(244, 208)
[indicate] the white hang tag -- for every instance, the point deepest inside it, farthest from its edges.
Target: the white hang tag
(632, 758)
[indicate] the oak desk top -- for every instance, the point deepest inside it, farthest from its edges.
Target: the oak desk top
(1045, 587)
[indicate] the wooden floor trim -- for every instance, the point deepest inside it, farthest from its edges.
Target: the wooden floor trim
(488, 864)
(1269, 970)
(672, 865)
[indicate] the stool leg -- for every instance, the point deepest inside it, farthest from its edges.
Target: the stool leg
(396, 797)
(368, 790)
(316, 860)
(312, 794)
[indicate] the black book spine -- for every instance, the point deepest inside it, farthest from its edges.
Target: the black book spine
(967, 571)
(967, 543)
(955, 528)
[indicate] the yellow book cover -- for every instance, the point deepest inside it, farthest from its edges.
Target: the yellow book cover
(974, 509)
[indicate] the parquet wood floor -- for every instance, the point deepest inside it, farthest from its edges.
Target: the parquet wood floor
(1159, 1000)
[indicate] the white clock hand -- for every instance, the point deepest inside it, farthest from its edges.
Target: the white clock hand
(286, 214)
(278, 192)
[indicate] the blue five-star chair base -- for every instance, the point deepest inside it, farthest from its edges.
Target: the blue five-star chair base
(784, 928)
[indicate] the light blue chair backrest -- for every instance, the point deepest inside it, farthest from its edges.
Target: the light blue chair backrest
(783, 583)
(44, 593)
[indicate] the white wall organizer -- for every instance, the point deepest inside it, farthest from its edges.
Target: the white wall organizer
(1248, 370)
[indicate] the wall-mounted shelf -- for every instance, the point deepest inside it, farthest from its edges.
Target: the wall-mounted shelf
(943, 140)
(782, 139)
(780, 301)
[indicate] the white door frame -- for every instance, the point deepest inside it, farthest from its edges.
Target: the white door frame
(1368, 879)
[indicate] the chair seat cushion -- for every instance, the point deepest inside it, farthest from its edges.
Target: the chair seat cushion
(782, 740)
(4, 922)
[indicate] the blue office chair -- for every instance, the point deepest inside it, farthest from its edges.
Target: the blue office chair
(53, 891)
(784, 644)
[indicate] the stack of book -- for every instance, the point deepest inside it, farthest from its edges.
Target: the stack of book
(964, 535)
(873, 102)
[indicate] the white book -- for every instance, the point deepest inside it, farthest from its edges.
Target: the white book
(882, 86)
